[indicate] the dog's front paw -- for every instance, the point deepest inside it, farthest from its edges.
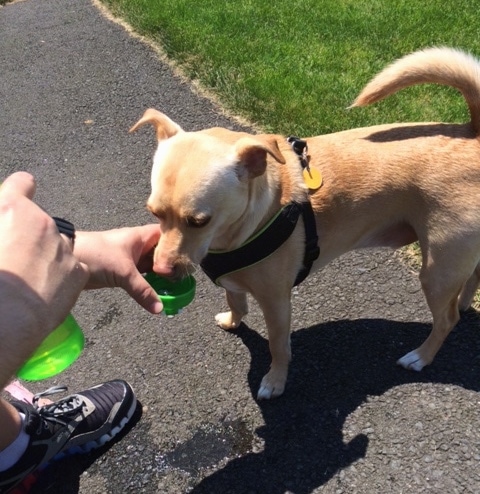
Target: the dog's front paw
(272, 385)
(226, 320)
(412, 361)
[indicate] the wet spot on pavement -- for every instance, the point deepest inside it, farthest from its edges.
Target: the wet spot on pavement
(208, 446)
(110, 314)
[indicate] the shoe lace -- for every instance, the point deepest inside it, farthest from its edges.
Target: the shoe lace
(57, 412)
(48, 392)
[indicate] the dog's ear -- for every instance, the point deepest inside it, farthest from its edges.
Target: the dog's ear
(252, 153)
(164, 127)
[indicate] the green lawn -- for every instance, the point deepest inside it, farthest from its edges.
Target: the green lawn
(294, 66)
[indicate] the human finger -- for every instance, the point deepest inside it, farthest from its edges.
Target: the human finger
(21, 183)
(140, 290)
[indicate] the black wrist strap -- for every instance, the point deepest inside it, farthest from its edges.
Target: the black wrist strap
(65, 227)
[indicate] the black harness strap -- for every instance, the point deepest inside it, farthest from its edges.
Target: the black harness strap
(219, 263)
(312, 250)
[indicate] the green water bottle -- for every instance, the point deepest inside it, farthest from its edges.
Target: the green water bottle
(57, 352)
(174, 295)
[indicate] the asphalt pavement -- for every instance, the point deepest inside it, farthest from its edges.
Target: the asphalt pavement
(72, 82)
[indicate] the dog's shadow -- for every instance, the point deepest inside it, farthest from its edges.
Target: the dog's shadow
(335, 367)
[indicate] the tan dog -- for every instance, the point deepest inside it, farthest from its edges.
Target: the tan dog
(387, 185)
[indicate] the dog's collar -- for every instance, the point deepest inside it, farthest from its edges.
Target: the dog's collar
(300, 148)
(312, 176)
(265, 242)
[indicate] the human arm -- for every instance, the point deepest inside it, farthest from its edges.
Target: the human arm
(40, 279)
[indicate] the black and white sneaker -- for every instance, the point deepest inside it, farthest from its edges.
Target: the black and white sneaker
(75, 424)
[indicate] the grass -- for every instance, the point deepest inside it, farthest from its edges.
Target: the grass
(293, 66)
(412, 255)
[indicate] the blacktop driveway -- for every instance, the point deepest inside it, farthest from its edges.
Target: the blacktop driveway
(71, 84)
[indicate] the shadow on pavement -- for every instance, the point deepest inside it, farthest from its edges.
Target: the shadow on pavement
(335, 367)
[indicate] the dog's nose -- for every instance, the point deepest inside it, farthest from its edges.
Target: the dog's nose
(164, 270)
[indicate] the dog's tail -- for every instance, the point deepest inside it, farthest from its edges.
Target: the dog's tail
(433, 65)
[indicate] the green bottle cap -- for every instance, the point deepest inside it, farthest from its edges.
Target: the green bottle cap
(57, 352)
(174, 295)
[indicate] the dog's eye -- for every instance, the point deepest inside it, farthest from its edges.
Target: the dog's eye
(197, 221)
(158, 213)
(159, 216)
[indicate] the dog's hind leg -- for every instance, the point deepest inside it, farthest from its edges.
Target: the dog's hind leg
(469, 290)
(442, 282)
(237, 302)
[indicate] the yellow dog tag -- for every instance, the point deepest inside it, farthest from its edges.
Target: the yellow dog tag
(313, 178)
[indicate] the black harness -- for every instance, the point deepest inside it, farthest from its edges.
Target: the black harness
(264, 243)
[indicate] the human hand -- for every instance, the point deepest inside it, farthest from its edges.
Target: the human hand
(116, 258)
(40, 279)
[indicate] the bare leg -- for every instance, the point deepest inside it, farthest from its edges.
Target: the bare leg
(11, 423)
